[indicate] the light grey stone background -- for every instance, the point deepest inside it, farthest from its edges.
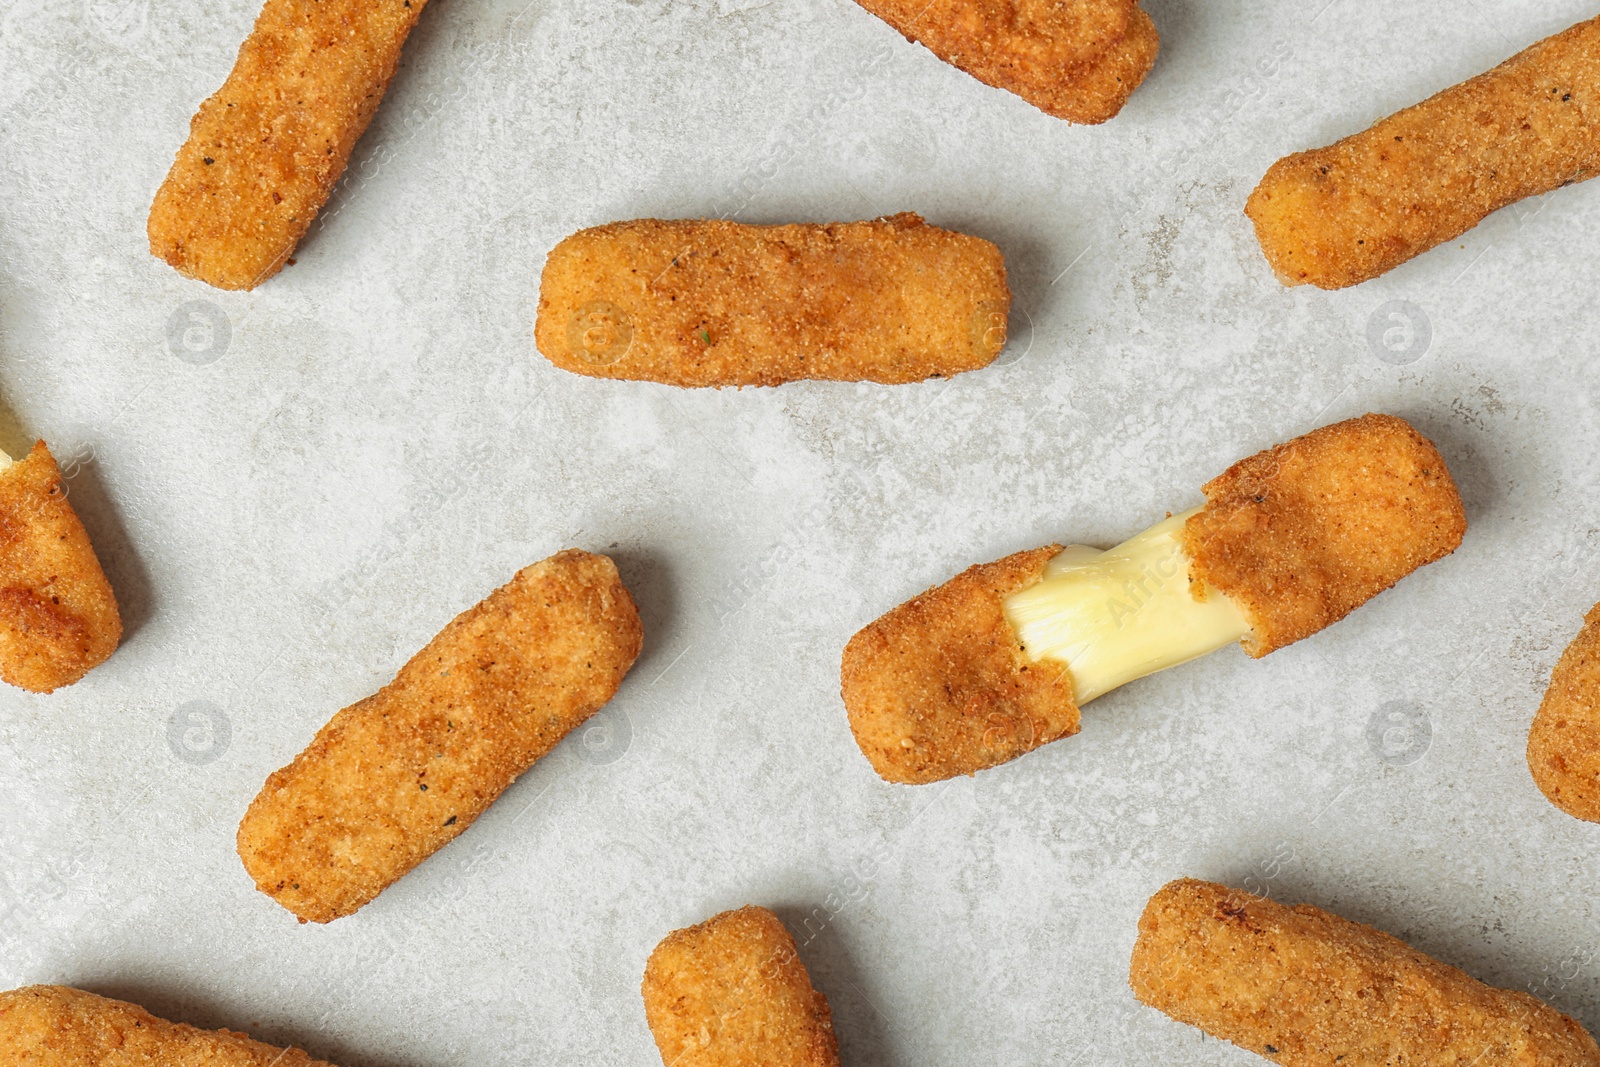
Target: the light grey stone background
(286, 517)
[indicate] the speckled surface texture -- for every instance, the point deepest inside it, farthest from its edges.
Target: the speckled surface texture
(289, 515)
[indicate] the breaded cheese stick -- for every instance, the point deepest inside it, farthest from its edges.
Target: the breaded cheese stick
(1564, 742)
(942, 686)
(264, 152)
(1308, 989)
(54, 1026)
(732, 992)
(1337, 216)
(58, 616)
(1000, 659)
(714, 303)
(393, 778)
(1078, 60)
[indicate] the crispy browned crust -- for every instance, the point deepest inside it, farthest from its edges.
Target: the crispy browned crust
(941, 686)
(1078, 60)
(58, 617)
(714, 303)
(1303, 534)
(1027, 42)
(1564, 742)
(1340, 215)
(264, 152)
(393, 778)
(732, 992)
(1308, 989)
(53, 1026)
(1098, 91)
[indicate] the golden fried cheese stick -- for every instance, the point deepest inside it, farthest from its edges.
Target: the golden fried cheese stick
(393, 778)
(732, 992)
(58, 616)
(998, 661)
(714, 303)
(1564, 742)
(1308, 989)
(1078, 60)
(264, 152)
(53, 1026)
(1340, 215)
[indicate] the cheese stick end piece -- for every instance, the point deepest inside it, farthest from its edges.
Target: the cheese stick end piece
(732, 992)
(58, 615)
(1564, 741)
(1099, 91)
(1077, 60)
(941, 686)
(1302, 534)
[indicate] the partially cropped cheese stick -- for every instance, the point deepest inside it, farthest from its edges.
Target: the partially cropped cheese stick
(54, 1026)
(1564, 742)
(998, 661)
(58, 616)
(713, 303)
(1340, 215)
(393, 778)
(732, 992)
(264, 152)
(1078, 60)
(1308, 989)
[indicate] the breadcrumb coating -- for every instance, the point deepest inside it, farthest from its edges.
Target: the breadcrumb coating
(1308, 989)
(265, 151)
(941, 686)
(53, 1026)
(732, 992)
(58, 616)
(1340, 215)
(1564, 742)
(1078, 60)
(1097, 92)
(1302, 534)
(393, 778)
(715, 303)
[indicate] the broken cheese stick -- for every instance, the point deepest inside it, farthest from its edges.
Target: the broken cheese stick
(393, 778)
(1078, 60)
(1340, 215)
(732, 992)
(58, 615)
(714, 303)
(1305, 988)
(998, 661)
(54, 1026)
(265, 151)
(1564, 741)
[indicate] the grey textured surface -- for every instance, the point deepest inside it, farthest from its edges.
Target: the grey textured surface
(286, 520)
